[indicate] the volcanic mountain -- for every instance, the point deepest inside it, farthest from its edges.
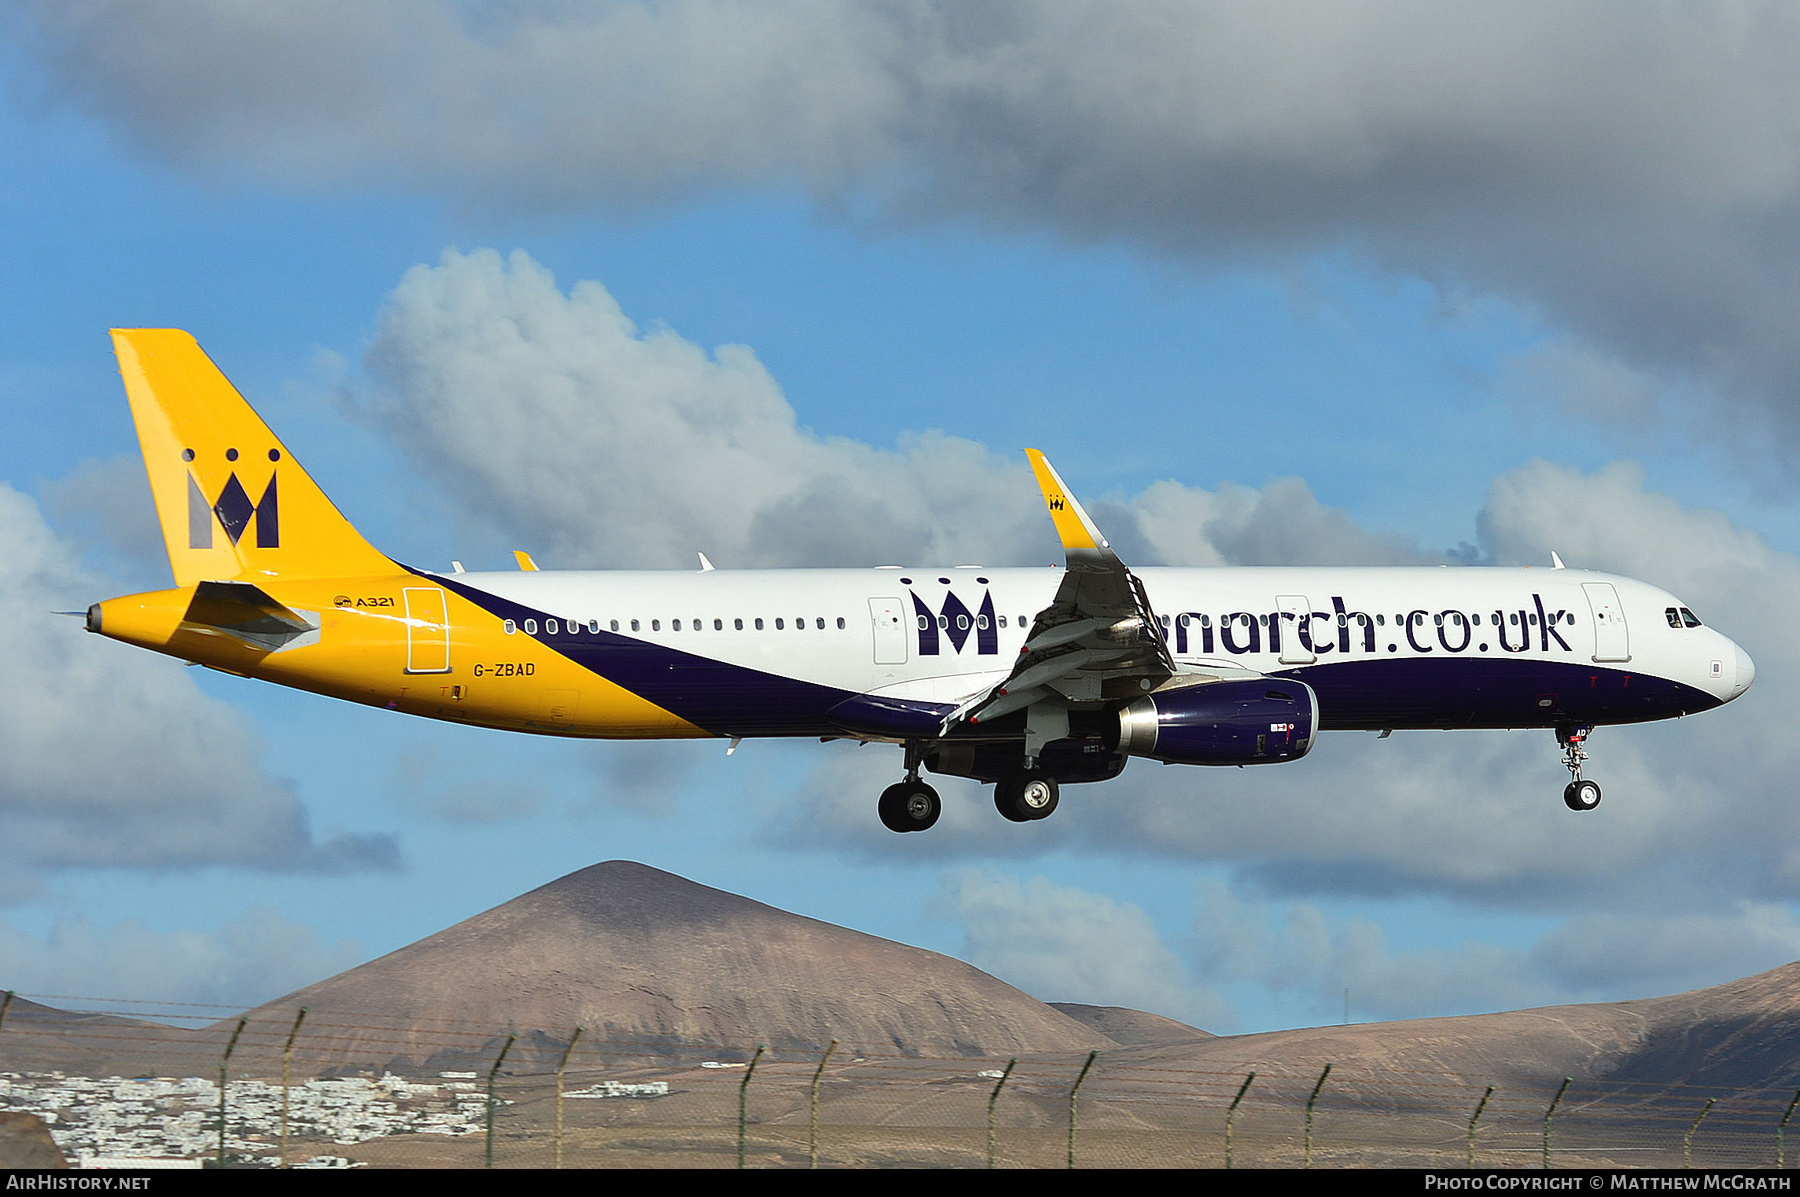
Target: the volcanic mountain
(644, 960)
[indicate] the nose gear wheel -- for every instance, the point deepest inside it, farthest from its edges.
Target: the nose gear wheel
(1578, 794)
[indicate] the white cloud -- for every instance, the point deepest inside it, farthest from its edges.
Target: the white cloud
(555, 419)
(1632, 170)
(1288, 946)
(254, 957)
(1064, 944)
(110, 756)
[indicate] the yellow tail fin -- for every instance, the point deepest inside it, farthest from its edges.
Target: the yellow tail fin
(232, 500)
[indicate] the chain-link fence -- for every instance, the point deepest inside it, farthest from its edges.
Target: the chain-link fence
(362, 1089)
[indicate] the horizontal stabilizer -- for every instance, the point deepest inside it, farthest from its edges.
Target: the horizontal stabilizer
(244, 612)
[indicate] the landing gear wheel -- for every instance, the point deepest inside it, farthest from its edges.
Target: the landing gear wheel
(1578, 794)
(1025, 797)
(1582, 795)
(909, 806)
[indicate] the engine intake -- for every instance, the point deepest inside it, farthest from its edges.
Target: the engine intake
(1253, 722)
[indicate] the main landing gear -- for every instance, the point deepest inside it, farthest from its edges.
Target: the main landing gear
(1026, 795)
(910, 805)
(1578, 794)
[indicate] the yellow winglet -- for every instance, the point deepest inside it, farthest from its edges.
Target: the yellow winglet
(1073, 526)
(525, 561)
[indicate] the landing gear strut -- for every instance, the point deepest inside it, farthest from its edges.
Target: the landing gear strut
(1025, 795)
(909, 805)
(1578, 794)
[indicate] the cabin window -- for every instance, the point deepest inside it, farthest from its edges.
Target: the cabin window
(820, 622)
(738, 624)
(962, 623)
(531, 627)
(943, 621)
(550, 628)
(656, 625)
(719, 625)
(840, 623)
(510, 627)
(778, 624)
(614, 625)
(759, 626)
(699, 625)
(674, 625)
(634, 625)
(1003, 621)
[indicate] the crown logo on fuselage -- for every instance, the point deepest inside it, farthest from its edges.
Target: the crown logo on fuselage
(956, 623)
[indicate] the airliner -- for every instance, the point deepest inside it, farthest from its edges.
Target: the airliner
(1026, 679)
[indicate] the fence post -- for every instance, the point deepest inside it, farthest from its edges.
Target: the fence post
(1474, 1118)
(287, 1058)
(1076, 1089)
(1781, 1132)
(1687, 1140)
(1310, 1102)
(492, 1073)
(223, 1060)
(562, 1065)
(993, 1098)
(1551, 1113)
(1231, 1113)
(744, 1100)
(812, 1143)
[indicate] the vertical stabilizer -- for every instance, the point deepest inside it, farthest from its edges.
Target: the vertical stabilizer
(232, 500)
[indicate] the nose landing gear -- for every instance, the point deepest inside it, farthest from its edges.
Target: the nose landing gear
(1578, 794)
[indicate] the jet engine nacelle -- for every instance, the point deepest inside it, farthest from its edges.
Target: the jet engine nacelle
(1253, 722)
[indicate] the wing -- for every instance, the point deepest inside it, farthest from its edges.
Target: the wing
(1097, 641)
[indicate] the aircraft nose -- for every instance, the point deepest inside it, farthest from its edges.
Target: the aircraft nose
(1746, 671)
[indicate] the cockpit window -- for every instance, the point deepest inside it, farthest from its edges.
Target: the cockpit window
(1689, 618)
(1673, 616)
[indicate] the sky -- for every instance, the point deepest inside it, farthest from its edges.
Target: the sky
(794, 284)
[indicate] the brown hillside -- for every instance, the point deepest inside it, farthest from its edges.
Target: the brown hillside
(1741, 1035)
(644, 959)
